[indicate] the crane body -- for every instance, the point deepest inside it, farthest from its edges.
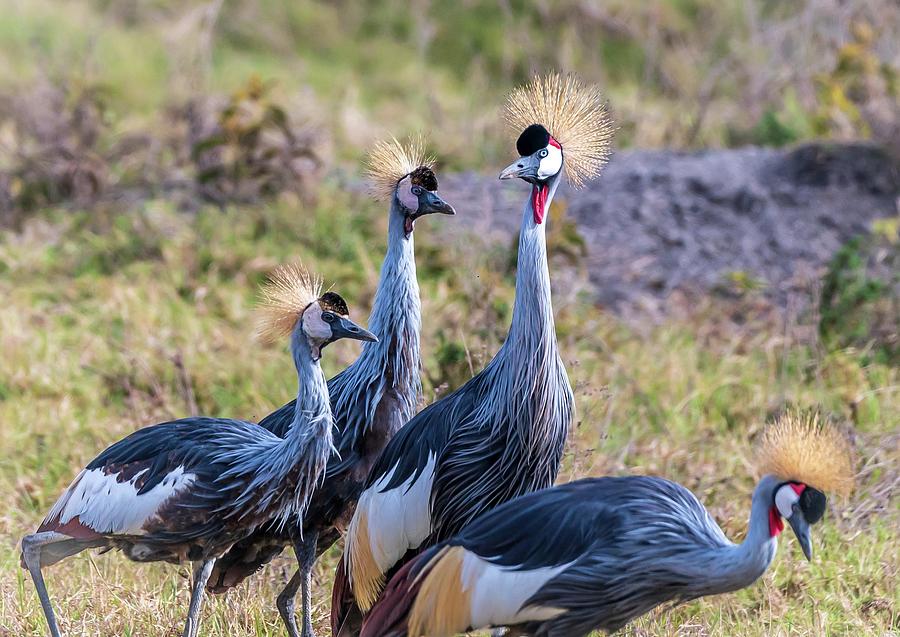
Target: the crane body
(187, 490)
(502, 433)
(596, 553)
(371, 399)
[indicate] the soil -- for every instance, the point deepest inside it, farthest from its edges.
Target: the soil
(659, 221)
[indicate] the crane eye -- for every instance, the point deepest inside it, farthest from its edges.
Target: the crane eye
(543, 153)
(416, 191)
(328, 317)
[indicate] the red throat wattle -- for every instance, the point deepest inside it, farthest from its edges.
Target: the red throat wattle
(776, 524)
(409, 225)
(539, 201)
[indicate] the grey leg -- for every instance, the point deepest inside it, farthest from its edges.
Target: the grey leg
(285, 604)
(31, 555)
(307, 561)
(305, 550)
(201, 576)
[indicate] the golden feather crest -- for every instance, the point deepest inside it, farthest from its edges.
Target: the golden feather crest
(389, 161)
(576, 116)
(289, 291)
(800, 446)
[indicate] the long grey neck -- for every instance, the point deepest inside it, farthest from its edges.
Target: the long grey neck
(278, 476)
(312, 391)
(737, 566)
(396, 309)
(532, 319)
(528, 383)
(393, 364)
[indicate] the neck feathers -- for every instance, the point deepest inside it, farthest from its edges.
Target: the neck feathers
(738, 566)
(397, 296)
(300, 459)
(528, 377)
(277, 477)
(532, 323)
(312, 390)
(393, 364)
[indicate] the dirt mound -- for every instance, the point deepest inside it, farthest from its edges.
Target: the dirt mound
(658, 221)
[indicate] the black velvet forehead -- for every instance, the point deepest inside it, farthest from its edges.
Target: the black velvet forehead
(332, 302)
(532, 140)
(424, 176)
(812, 503)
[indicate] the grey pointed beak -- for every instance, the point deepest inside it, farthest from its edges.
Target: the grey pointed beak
(801, 530)
(345, 328)
(523, 168)
(432, 203)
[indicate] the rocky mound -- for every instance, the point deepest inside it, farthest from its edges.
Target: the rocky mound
(657, 221)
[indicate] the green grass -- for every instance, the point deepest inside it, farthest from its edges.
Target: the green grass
(95, 311)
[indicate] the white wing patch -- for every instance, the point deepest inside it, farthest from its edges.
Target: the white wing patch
(108, 506)
(497, 593)
(398, 519)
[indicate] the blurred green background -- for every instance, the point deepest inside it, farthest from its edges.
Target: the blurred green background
(682, 73)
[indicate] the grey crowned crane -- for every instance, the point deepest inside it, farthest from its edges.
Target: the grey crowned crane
(371, 399)
(501, 434)
(596, 553)
(188, 489)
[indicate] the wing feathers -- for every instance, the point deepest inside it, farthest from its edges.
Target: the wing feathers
(386, 525)
(107, 504)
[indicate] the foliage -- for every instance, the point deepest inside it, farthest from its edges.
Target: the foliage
(860, 303)
(51, 148)
(676, 72)
(252, 150)
(60, 145)
(860, 95)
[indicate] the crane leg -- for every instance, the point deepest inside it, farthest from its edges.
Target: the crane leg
(201, 576)
(307, 560)
(31, 557)
(285, 603)
(305, 550)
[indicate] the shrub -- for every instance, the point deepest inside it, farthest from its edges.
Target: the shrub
(860, 304)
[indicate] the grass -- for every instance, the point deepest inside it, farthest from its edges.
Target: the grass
(97, 311)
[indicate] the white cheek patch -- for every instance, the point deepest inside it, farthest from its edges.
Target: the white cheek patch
(550, 164)
(785, 498)
(406, 196)
(313, 325)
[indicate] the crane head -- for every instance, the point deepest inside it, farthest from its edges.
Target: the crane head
(293, 304)
(805, 457)
(802, 506)
(540, 156)
(403, 175)
(417, 195)
(327, 319)
(553, 113)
